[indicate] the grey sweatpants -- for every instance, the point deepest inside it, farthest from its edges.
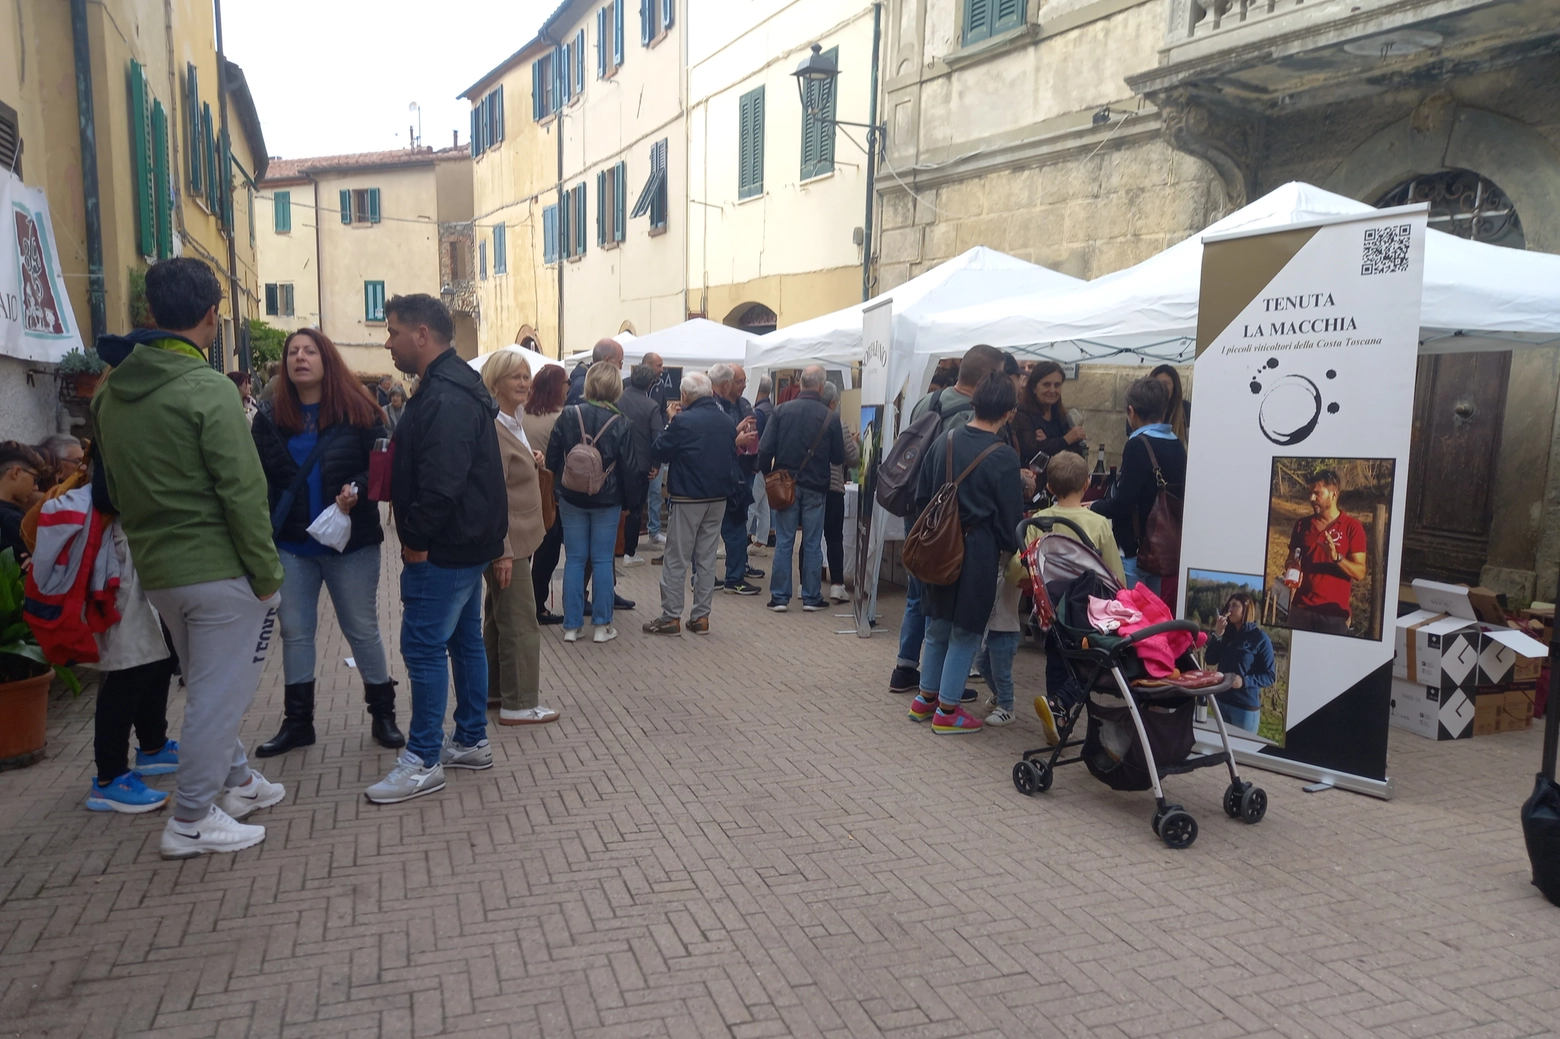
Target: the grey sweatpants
(221, 633)
(694, 534)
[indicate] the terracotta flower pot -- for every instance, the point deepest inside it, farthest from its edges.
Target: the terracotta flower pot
(24, 713)
(85, 384)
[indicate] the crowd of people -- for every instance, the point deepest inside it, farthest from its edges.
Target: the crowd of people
(229, 512)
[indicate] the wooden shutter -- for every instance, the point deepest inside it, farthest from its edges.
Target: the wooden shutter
(601, 206)
(373, 205)
(580, 209)
(550, 234)
(667, 9)
(646, 21)
(750, 144)
(162, 187)
(536, 90)
(603, 43)
(500, 249)
(498, 114)
(620, 202)
(192, 133)
(482, 261)
(141, 162)
(818, 131)
(288, 304)
(579, 62)
(346, 206)
(209, 153)
(977, 20)
(1007, 14)
(225, 181)
(617, 32)
(270, 299)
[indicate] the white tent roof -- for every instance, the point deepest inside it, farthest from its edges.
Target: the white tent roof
(696, 343)
(974, 277)
(1476, 297)
(535, 359)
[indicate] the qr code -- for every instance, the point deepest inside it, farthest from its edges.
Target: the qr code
(1386, 250)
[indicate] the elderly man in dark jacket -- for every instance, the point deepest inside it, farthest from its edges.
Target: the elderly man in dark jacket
(699, 446)
(643, 412)
(452, 513)
(605, 350)
(804, 438)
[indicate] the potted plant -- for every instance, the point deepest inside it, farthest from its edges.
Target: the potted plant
(80, 371)
(24, 676)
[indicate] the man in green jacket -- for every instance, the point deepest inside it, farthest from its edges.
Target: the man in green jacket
(183, 472)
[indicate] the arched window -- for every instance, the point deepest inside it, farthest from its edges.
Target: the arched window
(752, 317)
(1464, 204)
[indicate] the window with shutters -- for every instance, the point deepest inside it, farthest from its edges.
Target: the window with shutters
(360, 206)
(279, 299)
(10, 140)
(373, 301)
(270, 299)
(500, 250)
(281, 212)
(574, 223)
(487, 122)
(652, 197)
(162, 185)
(550, 234)
(609, 39)
(141, 160)
(750, 144)
(194, 159)
(543, 87)
(818, 124)
(611, 202)
(565, 66)
(579, 63)
(655, 19)
(984, 19)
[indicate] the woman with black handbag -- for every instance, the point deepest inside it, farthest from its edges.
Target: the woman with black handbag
(1152, 461)
(314, 437)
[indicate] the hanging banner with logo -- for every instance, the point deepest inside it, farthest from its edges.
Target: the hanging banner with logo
(36, 323)
(876, 334)
(1307, 344)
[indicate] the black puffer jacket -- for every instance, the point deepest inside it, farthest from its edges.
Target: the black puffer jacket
(618, 455)
(344, 461)
(447, 481)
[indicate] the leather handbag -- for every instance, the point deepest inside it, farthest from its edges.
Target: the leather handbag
(380, 462)
(1159, 540)
(544, 483)
(780, 484)
(933, 551)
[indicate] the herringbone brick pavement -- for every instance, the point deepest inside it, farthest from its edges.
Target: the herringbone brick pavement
(742, 836)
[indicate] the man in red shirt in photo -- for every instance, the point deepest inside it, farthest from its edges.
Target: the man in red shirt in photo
(1331, 547)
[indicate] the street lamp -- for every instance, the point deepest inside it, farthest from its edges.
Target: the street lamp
(818, 69)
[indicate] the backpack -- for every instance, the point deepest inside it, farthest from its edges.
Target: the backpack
(582, 471)
(933, 551)
(896, 473)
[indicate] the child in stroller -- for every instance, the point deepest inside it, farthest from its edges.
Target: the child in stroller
(1139, 725)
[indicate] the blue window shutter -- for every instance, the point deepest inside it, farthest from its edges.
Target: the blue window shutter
(566, 71)
(373, 205)
(601, 207)
(668, 8)
(536, 90)
(1007, 14)
(565, 237)
(346, 206)
(482, 261)
(500, 249)
(602, 43)
(646, 21)
(475, 149)
(580, 209)
(498, 114)
(557, 81)
(977, 20)
(620, 201)
(617, 31)
(579, 62)
(550, 234)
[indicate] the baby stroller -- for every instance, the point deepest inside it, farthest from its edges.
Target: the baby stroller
(1139, 727)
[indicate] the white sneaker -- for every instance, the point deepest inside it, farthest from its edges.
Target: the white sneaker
(632, 561)
(838, 593)
(604, 633)
(259, 792)
(537, 715)
(659, 539)
(410, 778)
(218, 832)
(571, 634)
(1001, 716)
(476, 757)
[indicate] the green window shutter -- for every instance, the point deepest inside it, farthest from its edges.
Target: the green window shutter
(750, 144)
(209, 153)
(565, 237)
(226, 182)
(270, 299)
(977, 20)
(162, 184)
(346, 206)
(141, 162)
(373, 301)
(818, 131)
(601, 205)
(373, 205)
(281, 208)
(620, 202)
(1007, 14)
(579, 218)
(192, 133)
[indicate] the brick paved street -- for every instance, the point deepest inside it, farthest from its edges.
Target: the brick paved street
(741, 835)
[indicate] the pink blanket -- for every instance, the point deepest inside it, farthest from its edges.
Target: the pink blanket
(1159, 652)
(1108, 615)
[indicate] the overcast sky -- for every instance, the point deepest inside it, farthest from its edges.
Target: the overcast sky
(336, 76)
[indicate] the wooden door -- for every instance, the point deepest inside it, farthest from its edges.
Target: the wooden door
(1459, 407)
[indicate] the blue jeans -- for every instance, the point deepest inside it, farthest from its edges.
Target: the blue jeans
(592, 534)
(805, 512)
(946, 660)
(996, 665)
(733, 532)
(759, 523)
(912, 630)
(441, 617)
(1136, 577)
(1240, 717)
(353, 581)
(653, 506)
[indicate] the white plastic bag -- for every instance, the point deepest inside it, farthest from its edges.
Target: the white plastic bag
(332, 528)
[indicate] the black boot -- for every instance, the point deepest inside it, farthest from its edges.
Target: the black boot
(381, 704)
(297, 722)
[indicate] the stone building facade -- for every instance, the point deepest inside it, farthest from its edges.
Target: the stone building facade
(1087, 135)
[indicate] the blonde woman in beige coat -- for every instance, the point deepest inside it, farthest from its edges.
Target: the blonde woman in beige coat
(509, 626)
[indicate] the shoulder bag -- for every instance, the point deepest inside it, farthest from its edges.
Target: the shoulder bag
(934, 549)
(1159, 540)
(300, 482)
(780, 485)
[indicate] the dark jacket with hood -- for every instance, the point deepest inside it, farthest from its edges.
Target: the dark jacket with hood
(344, 461)
(447, 481)
(700, 446)
(181, 465)
(619, 460)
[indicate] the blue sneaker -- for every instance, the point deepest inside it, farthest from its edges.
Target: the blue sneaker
(126, 794)
(164, 763)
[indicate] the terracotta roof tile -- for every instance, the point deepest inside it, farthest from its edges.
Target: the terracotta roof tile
(296, 169)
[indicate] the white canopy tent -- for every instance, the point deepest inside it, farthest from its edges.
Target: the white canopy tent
(696, 343)
(978, 276)
(1476, 297)
(535, 359)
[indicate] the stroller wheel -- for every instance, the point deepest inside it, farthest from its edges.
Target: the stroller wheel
(1253, 806)
(1234, 795)
(1178, 829)
(1031, 777)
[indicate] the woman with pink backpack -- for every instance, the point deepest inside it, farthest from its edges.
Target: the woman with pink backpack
(592, 450)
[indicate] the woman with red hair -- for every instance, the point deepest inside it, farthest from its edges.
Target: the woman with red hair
(314, 437)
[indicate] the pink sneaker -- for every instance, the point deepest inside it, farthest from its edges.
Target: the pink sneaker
(921, 708)
(957, 721)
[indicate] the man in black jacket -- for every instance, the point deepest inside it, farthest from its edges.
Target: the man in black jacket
(605, 350)
(729, 381)
(452, 513)
(699, 447)
(804, 438)
(643, 413)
